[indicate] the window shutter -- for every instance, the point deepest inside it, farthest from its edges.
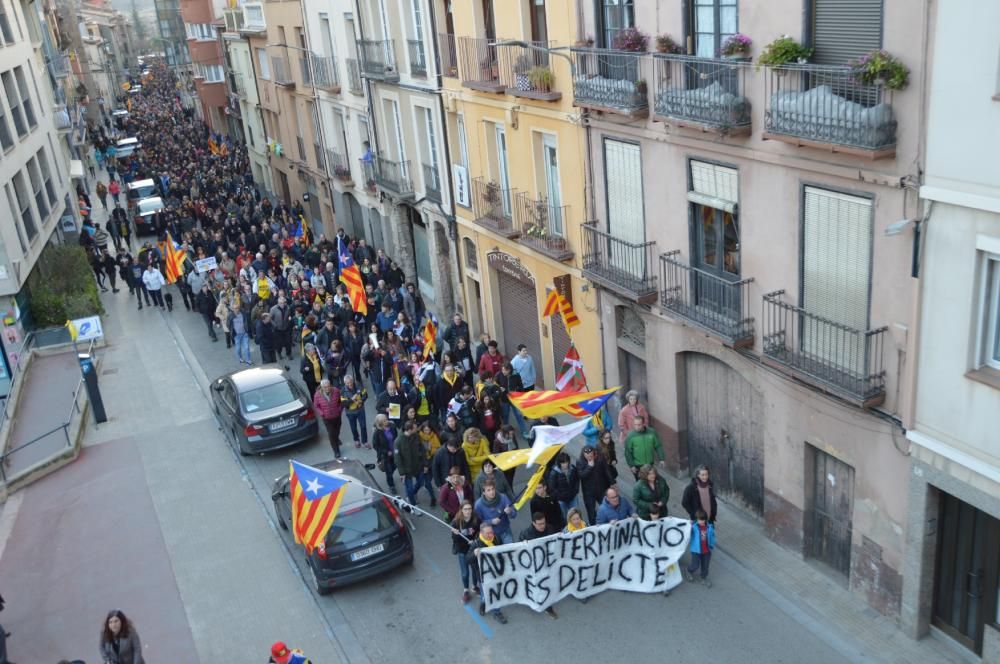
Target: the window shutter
(844, 30)
(623, 173)
(714, 182)
(836, 268)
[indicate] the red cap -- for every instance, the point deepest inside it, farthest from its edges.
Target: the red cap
(280, 653)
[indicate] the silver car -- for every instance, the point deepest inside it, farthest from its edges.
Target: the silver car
(261, 410)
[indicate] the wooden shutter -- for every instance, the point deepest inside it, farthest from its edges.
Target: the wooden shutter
(623, 175)
(844, 30)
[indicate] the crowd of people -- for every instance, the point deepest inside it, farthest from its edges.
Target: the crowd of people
(274, 295)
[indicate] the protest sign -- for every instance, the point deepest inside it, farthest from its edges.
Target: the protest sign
(205, 264)
(633, 554)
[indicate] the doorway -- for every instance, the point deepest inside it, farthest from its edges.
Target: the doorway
(286, 194)
(829, 503)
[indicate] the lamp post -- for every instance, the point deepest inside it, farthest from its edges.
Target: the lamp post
(558, 51)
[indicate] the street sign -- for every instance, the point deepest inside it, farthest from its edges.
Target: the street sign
(88, 328)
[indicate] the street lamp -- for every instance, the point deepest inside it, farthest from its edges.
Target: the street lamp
(541, 49)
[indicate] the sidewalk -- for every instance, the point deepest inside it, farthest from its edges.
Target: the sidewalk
(156, 519)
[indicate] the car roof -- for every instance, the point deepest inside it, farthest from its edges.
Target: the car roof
(150, 205)
(131, 140)
(251, 379)
(120, 111)
(138, 184)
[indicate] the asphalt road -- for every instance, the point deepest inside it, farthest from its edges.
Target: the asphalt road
(415, 613)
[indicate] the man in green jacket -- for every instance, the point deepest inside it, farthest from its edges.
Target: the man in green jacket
(642, 446)
(411, 461)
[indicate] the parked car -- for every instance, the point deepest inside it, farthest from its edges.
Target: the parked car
(144, 210)
(138, 190)
(126, 146)
(368, 537)
(261, 410)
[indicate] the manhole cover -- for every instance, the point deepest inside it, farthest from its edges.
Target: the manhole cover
(108, 372)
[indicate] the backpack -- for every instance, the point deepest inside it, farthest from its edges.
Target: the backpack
(467, 415)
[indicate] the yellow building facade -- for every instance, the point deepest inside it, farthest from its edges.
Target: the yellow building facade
(518, 156)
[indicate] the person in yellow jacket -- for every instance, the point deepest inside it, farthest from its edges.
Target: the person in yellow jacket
(430, 439)
(476, 449)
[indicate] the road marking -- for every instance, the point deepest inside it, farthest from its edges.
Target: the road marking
(8, 517)
(433, 565)
(478, 619)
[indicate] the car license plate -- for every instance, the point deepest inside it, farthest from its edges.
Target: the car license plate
(370, 551)
(282, 425)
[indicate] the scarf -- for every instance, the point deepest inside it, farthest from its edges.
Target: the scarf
(491, 542)
(705, 494)
(317, 372)
(570, 528)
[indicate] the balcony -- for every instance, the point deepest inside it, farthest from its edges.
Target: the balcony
(368, 169)
(59, 65)
(448, 54)
(324, 72)
(706, 300)
(702, 93)
(837, 358)
(493, 207)
(418, 61)
(826, 108)
(280, 73)
(378, 59)
(393, 177)
(432, 183)
(625, 268)
(341, 167)
(610, 82)
(320, 157)
(239, 86)
(353, 76)
(542, 226)
(305, 69)
(527, 72)
(479, 65)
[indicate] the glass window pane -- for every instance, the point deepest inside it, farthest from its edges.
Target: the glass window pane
(704, 20)
(731, 238)
(727, 20)
(708, 237)
(995, 313)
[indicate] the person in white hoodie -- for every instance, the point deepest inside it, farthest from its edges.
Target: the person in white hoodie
(154, 282)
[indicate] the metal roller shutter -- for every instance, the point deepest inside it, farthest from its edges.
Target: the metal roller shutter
(845, 29)
(519, 316)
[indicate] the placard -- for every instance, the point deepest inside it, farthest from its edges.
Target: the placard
(205, 264)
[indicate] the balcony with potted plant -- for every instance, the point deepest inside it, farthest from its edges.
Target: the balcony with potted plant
(527, 72)
(493, 207)
(708, 94)
(542, 226)
(612, 80)
(479, 64)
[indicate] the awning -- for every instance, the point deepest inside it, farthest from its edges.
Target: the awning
(75, 169)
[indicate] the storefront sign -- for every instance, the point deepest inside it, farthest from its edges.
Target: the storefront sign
(509, 265)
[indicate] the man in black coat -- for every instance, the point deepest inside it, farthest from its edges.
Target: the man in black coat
(206, 304)
(695, 494)
(264, 335)
(543, 503)
(448, 455)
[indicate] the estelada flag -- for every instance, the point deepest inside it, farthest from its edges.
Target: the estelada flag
(538, 404)
(430, 336)
(571, 377)
(350, 276)
(173, 260)
(316, 498)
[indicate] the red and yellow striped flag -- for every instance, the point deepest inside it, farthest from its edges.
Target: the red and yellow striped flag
(551, 304)
(557, 303)
(430, 337)
(173, 261)
(543, 403)
(316, 497)
(350, 276)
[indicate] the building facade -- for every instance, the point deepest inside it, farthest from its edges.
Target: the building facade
(953, 537)
(751, 286)
(518, 158)
(202, 19)
(170, 25)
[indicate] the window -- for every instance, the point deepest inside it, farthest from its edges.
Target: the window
(5, 31)
(550, 165)
(262, 64)
(199, 31)
(431, 138)
(212, 73)
(539, 26)
(37, 189)
(254, 15)
(52, 149)
(24, 205)
(14, 101)
(50, 190)
(623, 191)
(463, 146)
(714, 20)
(844, 31)
(989, 346)
(22, 86)
(616, 16)
(716, 237)
(418, 21)
(13, 215)
(6, 139)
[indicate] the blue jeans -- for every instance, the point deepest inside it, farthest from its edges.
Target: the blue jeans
(242, 344)
(506, 537)
(463, 568)
(413, 484)
(566, 506)
(700, 560)
(359, 428)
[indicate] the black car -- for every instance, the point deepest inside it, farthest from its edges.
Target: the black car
(368, 537)
(262, 410)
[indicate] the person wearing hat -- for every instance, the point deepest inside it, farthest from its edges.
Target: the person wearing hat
(282, 654)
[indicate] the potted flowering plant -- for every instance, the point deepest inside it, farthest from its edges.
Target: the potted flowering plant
(632, 40)
(342, 172)
(736, 46)
(782, 51)
(666, 44)
(881, 68)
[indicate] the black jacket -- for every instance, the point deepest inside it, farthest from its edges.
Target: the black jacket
(564, 486)
(530, 533)
(508, 384)
(381, 444)
(594, 480)
(452, 334)
(444, 459)
(264, 335)
(691, 500)
(206, 303)
(548, 506)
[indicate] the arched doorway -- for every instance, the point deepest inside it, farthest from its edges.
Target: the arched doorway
(518, 305)
(724, 429)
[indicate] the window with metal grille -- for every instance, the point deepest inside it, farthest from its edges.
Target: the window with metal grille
(471, 259)
(844, 30)
(37, 189)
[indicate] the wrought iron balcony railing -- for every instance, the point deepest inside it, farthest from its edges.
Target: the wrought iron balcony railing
(711, 302)
(822, 106)
(542, 225)
(610, 81)
(493, 206)
(627, 268)
(449, 54)
(418, 61)
(280, 73)
(479, 64)
(527, 72)
(353, 76)
(368, 169)
(841, 359)
(60, 66)
(305, 69)
(704, 93)
(393, 176)
(341, 167)
(240, 86)
(432, 183)
(378, 59)
(324, 72)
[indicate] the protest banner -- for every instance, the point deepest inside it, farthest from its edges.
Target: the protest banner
(633, 554)
(205, 264)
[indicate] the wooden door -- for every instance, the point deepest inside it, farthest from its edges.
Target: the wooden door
(829, 511)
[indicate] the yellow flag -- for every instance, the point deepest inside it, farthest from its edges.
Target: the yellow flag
(519, 457)
(529, 490)
(72, 330)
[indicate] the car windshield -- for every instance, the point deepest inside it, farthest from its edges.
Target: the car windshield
(150, 205)
(268, 396)
(353, 525)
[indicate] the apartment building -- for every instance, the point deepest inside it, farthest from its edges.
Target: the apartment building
(201, 19)
(518, 156)
(34, 176)
(753, 285)
(953, 534)
(170, 25)
(396, 49)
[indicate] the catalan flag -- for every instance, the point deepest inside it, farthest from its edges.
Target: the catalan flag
(571, 377)
(350, 276)
(173, 260)
(545, 403)
(302, 231)
(551, 304)
(316, 497)
(557, 303)
(430, 336)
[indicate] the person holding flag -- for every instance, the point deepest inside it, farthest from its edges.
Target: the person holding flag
(350, 276)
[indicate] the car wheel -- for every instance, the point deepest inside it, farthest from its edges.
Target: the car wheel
(280, 519)
(320, 590)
